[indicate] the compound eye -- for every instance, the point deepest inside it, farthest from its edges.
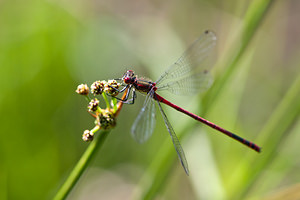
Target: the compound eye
(127, 80)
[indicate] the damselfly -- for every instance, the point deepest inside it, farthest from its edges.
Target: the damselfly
(188, 75)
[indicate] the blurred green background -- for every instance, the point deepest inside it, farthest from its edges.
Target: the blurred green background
(49, 47)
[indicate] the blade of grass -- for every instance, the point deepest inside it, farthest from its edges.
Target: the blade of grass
(158, 171)
(253, 18)
(81, 165)
(251, 22)
(272, 134)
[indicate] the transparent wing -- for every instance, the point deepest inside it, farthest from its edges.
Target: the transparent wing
(175, 141)
(193, 61)
(189, 85)
(144, 124)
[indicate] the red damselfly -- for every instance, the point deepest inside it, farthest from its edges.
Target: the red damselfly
(188, 75)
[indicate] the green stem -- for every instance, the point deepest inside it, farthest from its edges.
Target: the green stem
(115, 102)
(160, 170)
(106, 100)
(274, 132)
(81, 165)
(251, 22)
(87, 98)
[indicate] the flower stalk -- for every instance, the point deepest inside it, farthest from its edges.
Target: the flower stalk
(105, 119)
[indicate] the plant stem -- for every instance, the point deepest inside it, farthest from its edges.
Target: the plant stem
(74, 176)
(272, 134)
(106, 100)
(115, 104)
(87, 98)
(253, 18)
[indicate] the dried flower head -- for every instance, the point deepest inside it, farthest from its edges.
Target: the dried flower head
(111, 87)
(97, 87)
(83, 89)
(87, 136)
(107, 120)
(93, 105)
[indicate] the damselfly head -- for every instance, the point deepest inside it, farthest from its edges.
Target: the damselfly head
(129, 77)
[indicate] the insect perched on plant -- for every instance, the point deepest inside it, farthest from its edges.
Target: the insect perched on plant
(188, 75)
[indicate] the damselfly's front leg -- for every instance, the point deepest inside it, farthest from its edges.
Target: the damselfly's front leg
(125, 100)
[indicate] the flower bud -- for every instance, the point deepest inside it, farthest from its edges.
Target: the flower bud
(87, 136)
(93, 105)
(97, 87)
(111, 87)
(83, 89)
(107, 120)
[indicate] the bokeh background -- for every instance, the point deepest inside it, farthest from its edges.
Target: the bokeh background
(48, 47)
